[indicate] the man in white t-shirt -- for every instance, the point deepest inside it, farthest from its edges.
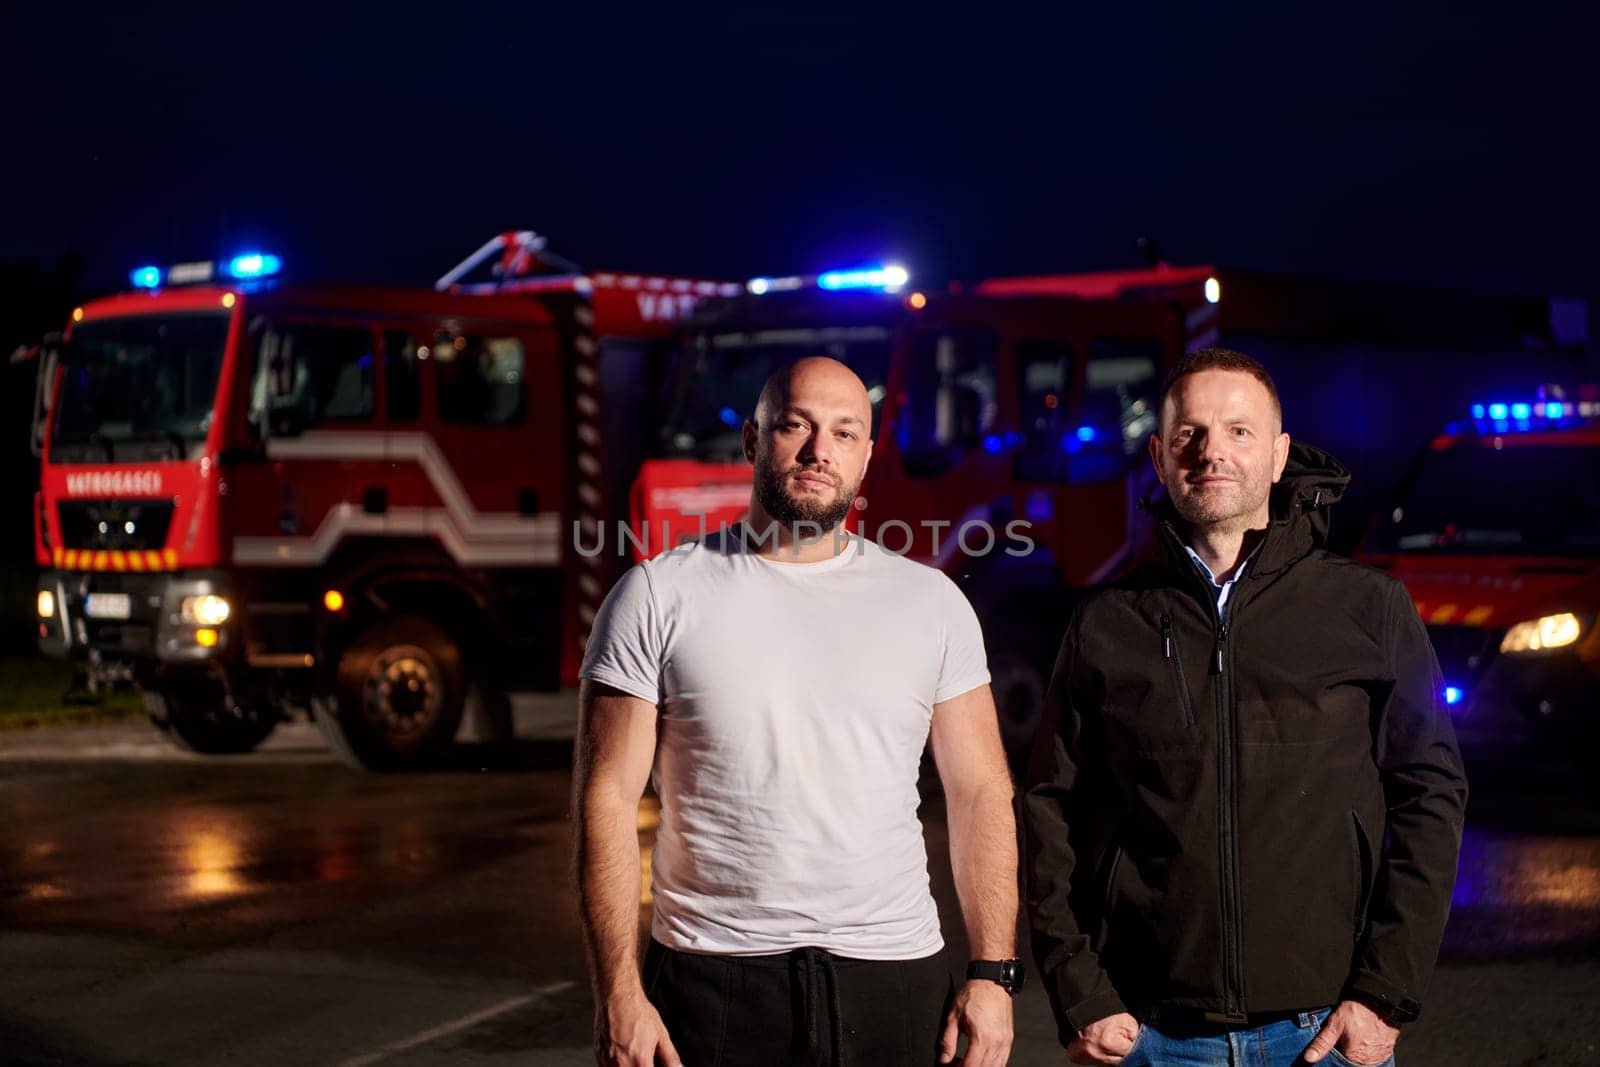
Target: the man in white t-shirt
(780, 681)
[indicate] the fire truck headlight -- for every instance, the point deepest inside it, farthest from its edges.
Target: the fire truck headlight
(207, 610)
(1538, 635)
(47, 604)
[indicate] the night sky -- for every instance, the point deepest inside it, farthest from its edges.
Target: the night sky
(383, 142)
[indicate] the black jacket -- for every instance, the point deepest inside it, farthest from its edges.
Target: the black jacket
(1257, 816)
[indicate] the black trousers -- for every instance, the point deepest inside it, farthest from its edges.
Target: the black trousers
(801, 1008)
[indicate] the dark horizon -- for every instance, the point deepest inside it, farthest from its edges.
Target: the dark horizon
(367, 144)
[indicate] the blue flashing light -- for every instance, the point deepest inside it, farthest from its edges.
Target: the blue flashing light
(1086, 433)
(1478, 411)
(993, 444)
(145, 277)
(887, 278)
(254, 265)
(1453, 695)
(730, 418)
(1498, 411)
(1555, 409)
(1013, 438)
(1521, 411)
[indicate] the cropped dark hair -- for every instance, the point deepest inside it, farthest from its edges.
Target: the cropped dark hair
(1221, 359)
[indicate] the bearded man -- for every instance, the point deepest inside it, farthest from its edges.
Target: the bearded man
(780, 682)
(1246, 804)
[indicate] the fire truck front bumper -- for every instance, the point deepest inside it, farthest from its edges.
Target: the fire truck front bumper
(134, 618)
(1497, 698)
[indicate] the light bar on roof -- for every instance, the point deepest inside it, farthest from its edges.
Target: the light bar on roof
(254, 265)
(145, 277)
(889, 277)
(1508, 416)
(191, 273)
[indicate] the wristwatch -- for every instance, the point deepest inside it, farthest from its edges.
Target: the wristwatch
(1008, 974)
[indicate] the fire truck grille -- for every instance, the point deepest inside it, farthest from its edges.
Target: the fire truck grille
(1463, 651)
(114, 524)
(122, 636)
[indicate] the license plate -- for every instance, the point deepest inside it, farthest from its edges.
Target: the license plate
(108, 606)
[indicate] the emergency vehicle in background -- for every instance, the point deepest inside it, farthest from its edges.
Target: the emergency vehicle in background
(1497, 538)
(1024, 400)
(259, 496)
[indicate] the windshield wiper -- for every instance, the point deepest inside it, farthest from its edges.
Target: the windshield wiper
(98, 438)
(179, 443)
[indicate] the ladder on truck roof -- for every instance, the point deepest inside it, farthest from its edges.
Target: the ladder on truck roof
(522, 253)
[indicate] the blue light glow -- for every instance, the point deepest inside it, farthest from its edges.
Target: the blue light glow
(146, 277)
(1521, 411)
(1555, 410)
(1086, 433)
(1478, 411)
(888, 277)
(992, 444)
(1498, 411)
(1453, 695)
(254, 265)
(730, 417)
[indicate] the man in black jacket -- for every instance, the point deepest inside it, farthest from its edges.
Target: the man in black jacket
(1245, 806)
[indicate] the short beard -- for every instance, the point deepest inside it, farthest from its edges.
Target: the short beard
(791, 512)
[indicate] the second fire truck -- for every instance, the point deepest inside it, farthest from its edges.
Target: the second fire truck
(1020, 405)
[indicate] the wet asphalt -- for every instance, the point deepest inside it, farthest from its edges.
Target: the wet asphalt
(277, 908)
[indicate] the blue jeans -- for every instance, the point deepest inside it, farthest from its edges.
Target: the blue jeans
(1277, 1044)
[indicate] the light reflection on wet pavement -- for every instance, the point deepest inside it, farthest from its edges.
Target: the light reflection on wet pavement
(463, 875)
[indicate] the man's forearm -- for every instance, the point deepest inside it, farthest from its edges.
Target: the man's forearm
(983, 856)
(608, 876)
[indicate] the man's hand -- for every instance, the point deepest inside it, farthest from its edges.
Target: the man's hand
(628, 1032)
(1362, 1037)
(982, 1011)
(1105, 1040)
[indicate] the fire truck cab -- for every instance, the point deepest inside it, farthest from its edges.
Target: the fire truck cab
(257, 497)
(1011, 423)
(1496, 535)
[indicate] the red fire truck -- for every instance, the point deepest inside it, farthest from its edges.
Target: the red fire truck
(1020, 406)
(259, 496)
(1497, 537)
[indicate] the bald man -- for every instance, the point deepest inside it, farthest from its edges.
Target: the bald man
(779, 682)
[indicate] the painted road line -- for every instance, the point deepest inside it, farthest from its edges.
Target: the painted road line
(466, 1022)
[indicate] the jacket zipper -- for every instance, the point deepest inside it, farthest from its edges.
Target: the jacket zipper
(1228, 818)
(1169, 646)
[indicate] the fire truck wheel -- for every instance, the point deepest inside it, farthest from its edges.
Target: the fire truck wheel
(197, 713)
(398, 696)
(1018, 688)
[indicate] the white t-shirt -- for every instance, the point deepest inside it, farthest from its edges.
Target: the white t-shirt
(794, 703)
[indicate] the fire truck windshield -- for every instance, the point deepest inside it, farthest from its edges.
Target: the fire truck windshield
(1522, 500)
(714, 380)
(138, 388)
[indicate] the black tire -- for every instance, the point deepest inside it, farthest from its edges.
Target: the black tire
(197, 713)
(398, 693)
(1018, 688)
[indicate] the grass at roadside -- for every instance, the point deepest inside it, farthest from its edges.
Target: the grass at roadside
(31, 691)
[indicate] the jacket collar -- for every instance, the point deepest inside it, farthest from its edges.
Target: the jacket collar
(1312, 482)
